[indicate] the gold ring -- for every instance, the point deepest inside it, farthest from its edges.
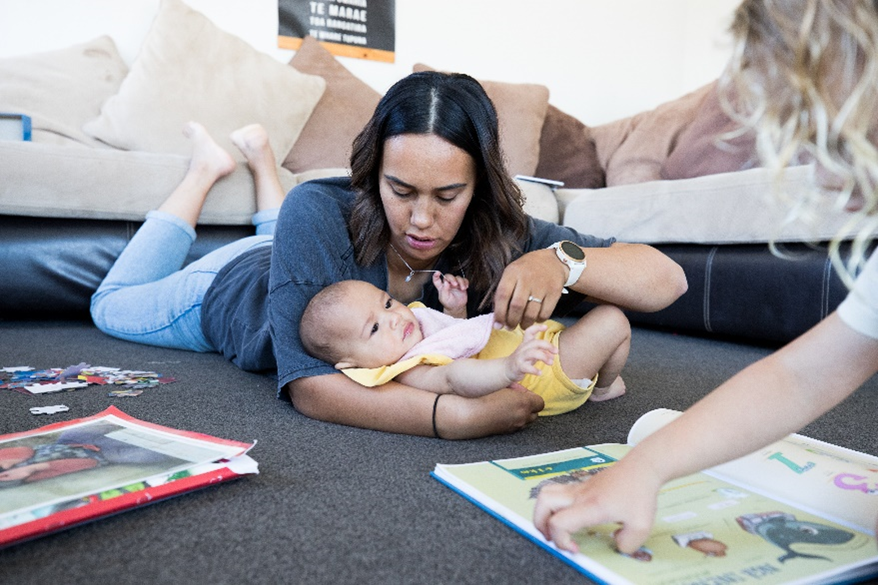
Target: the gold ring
(533, 299)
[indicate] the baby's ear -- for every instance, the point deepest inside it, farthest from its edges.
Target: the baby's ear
(343, 365)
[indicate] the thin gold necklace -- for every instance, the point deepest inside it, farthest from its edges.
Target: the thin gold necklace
(412, 271)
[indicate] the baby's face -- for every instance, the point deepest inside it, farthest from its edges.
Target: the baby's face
(377, 329)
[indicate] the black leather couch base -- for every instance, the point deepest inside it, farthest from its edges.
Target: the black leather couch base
(52, 266)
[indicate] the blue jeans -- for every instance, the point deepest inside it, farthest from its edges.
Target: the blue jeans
(149, 297)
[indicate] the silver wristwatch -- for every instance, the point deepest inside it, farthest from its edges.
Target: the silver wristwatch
(573, 256)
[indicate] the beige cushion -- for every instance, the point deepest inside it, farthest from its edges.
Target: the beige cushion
(189, 69)
(633, 150)
(48, 180)
(568, 153)
(346, 106)
(62, 90)
(739, 207)
(704, 148)
(521, 111)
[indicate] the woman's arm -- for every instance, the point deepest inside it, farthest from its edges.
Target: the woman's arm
(632, 276)
(763, 403)
(398, 408)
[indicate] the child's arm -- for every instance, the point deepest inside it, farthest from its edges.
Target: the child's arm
(474, 377)
(452, 293)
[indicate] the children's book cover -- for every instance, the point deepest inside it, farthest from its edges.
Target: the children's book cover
(66, 473)
(707, 530)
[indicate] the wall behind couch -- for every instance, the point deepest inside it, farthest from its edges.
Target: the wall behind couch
(600, 60)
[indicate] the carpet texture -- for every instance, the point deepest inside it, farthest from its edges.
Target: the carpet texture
(333, 504)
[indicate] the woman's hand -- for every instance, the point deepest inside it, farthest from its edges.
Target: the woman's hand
(501, 412)
(529, 289)
(618, 494)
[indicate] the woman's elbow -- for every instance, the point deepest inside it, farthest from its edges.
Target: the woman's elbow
(675, 284)
(667, 283)
(305, 399)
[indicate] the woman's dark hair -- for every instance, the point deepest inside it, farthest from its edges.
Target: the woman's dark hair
(456, 108)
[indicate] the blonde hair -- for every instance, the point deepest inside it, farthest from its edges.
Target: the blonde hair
(804, 78)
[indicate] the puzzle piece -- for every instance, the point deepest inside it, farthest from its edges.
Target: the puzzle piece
(54, 409)
(54, 387)
(124, 393)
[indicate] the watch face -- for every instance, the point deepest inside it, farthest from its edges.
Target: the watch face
(573, 250)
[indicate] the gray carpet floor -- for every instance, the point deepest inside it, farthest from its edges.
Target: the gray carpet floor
(333, 504)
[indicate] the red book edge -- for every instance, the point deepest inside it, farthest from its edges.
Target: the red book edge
(102, 508)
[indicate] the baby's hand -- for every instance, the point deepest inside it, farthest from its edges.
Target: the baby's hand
(452, 293)
(531, 350)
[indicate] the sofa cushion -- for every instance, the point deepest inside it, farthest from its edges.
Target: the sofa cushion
(727, 208)
(346, 106)
(568, 153)
(539, 200)
(634, 149)
(49, 180)
(189, 69)
(62, 90)
(703, 148)
(521, 111)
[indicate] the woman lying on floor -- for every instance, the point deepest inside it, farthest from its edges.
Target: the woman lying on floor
(428, 191)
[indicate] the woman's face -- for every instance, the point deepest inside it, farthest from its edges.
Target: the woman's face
(426, 185)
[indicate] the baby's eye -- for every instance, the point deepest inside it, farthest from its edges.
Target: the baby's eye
(388, 304)
(374, 329)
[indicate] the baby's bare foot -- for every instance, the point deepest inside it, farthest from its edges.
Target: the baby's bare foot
(614, 390)
(207, 156)
(252, 141)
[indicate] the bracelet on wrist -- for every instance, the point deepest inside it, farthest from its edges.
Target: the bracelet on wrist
(436, 404)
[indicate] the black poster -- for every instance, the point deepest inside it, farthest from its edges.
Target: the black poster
(352, 28)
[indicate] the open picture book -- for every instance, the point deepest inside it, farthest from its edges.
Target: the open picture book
(797, 511)
(67, 473)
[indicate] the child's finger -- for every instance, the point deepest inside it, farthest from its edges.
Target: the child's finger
(531, 332)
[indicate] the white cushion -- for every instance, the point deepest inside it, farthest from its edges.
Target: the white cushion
(539, 200)
(738, 207)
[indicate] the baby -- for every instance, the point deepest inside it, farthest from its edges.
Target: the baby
(373, 339)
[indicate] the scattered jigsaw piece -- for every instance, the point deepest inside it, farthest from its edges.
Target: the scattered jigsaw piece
(54, 387)
(54, 409)
(12, 369)
(26, 379)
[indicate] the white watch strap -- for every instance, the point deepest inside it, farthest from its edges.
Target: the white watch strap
(575, 273)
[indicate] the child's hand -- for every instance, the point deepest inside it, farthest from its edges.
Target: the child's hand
(531, 350)
(452, 293)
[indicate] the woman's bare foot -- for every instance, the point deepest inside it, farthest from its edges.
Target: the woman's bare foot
(208, 157)
(614, 390)
(209, 163)
(252, 141)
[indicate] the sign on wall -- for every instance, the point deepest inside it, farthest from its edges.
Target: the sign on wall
(363, 29)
